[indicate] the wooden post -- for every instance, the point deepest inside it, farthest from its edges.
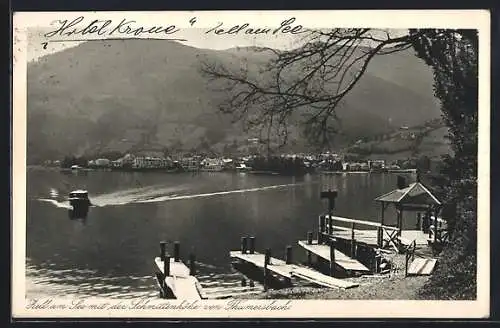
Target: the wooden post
(330, 195)
(163, 245)
(192, 264)
(162, 250)
(243, 245)
(322, 225)
(252, 245)
(353, 241)
(380, 236)
(267, 260)
(400, 220)
(309, 242)
(330, 224)
(419, 223)
(288, 257)
(382, 214)
(406, 264)
(435, 226)
(332, 257)
(177, 251)
(166, 266)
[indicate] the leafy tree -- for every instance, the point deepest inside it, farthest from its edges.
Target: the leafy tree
(453, 55)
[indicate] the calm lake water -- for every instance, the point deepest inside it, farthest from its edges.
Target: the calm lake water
(111, 253)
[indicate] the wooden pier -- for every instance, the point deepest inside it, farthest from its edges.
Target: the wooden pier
(285, 269)
(342, 260)
(175, 279)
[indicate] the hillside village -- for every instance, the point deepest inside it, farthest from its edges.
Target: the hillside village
(159, 99)
(408, 148)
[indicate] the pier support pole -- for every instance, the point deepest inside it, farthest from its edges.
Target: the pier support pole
(288, 257)
(243, 245)
(309, 242)
(407, 258)
(166, 266)
(378, 259)
(353, 241)
(267, 260)
(163, 245)
(192, 264)
(252, 245)
(399, 215)
(330, 195)
(177, 251)
(332, 257)
(381, 240)
(321, 229)
(436, 225)
(380, 236)
(330, 224)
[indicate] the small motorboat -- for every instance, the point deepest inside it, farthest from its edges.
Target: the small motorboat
(79, 200)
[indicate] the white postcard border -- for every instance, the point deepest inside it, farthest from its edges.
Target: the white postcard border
(478, 19)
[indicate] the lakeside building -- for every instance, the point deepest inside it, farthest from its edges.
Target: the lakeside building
(212, 164)
(102, 162)
(190, 163)
(151, 163)
(378, 164)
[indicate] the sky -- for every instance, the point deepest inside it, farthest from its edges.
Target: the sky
(194, 31)
(196, 37)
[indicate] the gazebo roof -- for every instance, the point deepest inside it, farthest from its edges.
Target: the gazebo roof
(415, 194)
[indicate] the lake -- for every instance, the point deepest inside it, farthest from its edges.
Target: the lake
(110, 254)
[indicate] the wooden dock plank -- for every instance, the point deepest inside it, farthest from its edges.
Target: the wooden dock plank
(184, 288)
(341, 259)
(177, 269)
(422, 266)
(180, 282)
(276, 265)
(321, 279)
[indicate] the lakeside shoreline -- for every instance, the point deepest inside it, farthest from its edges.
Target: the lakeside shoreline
(180, 171)
(390, 286)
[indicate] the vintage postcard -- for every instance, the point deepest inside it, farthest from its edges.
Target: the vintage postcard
(251, 164)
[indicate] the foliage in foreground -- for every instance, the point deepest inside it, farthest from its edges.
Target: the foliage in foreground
(453, 57)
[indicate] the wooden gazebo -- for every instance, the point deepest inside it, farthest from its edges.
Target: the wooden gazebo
(414, 197)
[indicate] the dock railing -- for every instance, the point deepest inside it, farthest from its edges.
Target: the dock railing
(327, 227)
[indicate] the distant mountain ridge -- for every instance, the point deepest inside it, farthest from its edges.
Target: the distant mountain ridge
(135, 94)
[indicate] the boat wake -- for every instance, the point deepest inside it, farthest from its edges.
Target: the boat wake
(154, 195)
(211, 194)
(56, 203)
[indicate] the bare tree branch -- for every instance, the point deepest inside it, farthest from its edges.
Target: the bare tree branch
(303, 85)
